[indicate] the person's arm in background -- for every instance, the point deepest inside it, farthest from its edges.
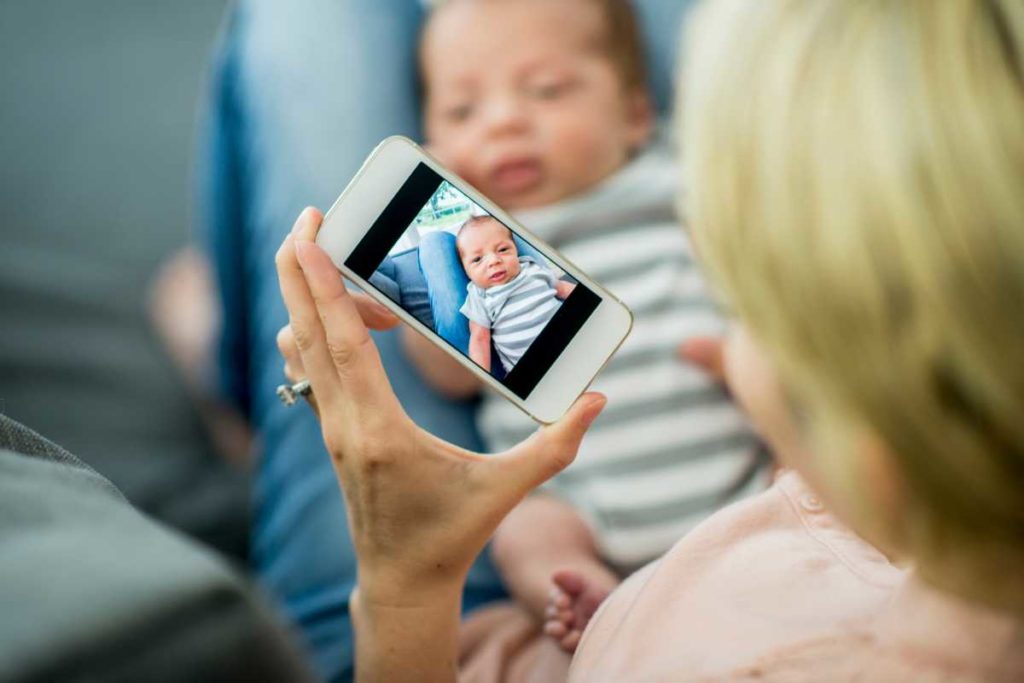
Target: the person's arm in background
(186, 315)
(438, 369)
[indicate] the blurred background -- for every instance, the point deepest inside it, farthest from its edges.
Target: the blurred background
(99, 117)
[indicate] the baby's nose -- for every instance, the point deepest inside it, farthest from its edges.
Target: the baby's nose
(505, 115)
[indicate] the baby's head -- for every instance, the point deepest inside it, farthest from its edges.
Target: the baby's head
(487, 252)
(533, 101)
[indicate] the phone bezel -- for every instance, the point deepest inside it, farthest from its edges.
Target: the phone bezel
(352, 215)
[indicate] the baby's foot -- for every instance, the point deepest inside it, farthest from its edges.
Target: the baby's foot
(572, 602)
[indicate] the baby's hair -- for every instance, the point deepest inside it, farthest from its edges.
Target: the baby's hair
(620, 41)
(473, 222)
(623, 42)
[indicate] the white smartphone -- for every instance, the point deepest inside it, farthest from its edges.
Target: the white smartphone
(467, 276)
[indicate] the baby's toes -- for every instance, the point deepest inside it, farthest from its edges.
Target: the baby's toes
(571, 640)
(560, 610)
(568, 582)
(558, 598)
(556, 629)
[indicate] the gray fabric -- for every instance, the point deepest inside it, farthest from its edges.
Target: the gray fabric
(98, 121)
(92, 590)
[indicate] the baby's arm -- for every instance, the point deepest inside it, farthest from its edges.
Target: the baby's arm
(563, 289)
(438, 369)
(527, 559)
(480, 345)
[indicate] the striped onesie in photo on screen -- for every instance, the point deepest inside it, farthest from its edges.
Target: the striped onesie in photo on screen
(670, 448)
(516, 311)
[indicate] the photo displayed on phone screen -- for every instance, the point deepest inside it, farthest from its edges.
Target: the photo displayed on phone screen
(471, 279)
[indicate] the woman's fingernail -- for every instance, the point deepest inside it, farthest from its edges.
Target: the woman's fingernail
(304, 217)
(594, 407)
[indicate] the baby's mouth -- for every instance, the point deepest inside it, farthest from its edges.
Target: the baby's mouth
(516, 175)
(498, 277)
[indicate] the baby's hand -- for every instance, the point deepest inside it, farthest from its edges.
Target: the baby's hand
(572, 602)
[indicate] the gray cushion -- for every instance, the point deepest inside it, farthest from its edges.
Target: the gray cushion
(92, 590)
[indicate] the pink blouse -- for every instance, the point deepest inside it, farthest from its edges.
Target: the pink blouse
(774, 589)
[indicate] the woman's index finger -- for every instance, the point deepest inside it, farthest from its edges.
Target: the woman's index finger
(304, 320)
(348, 338)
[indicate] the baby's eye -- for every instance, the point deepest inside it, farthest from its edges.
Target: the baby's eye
(550, 90)
(475, 259)
(502, 250)
(459, 113)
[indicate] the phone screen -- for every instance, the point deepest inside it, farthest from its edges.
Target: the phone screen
(472, 280)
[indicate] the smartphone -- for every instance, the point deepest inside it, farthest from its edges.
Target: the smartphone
(467, 276)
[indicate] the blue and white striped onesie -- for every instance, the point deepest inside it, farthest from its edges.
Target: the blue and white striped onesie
(671, 447)
(516, 311)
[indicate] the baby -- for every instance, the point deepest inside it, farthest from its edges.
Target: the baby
(510, 298)
(542, 105)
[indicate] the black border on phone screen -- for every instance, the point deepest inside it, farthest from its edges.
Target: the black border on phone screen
(396, 218)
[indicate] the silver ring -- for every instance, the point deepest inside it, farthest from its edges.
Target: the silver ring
(289, 394)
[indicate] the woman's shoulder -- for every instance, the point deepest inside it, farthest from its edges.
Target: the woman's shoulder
(859, 655)
(775, 568)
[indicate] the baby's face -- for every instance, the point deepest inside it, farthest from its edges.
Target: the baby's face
(488, 254)
(523, 103)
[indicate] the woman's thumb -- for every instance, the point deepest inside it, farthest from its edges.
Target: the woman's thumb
(552, 448)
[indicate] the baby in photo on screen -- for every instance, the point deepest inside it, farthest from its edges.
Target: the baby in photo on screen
(543, 106)
(510, 298)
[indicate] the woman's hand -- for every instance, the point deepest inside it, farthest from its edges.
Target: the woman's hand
(374, 316)
(420, 509)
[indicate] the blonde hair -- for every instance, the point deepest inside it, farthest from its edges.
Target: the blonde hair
(856, 186)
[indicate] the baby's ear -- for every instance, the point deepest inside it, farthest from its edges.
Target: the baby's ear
(639, 117)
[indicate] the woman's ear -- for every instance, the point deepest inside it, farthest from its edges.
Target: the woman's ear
(884, 492)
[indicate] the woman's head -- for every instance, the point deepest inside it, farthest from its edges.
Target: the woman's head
(855, 175)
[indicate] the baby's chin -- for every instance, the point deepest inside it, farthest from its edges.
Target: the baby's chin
(533, 199)
(541, 196)
(544, 193)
